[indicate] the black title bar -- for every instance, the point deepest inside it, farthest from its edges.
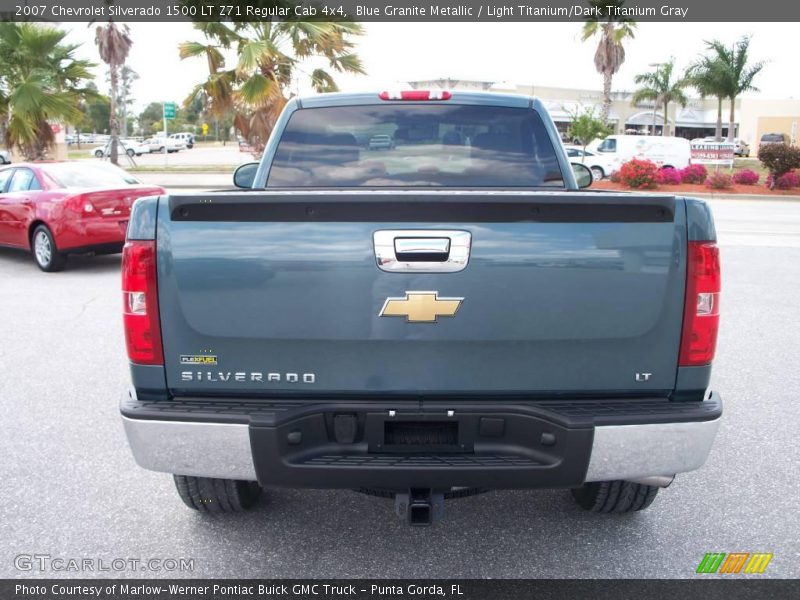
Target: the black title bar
(443, 11)
(734, 588)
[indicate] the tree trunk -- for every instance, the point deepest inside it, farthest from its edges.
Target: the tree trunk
(604, 114)
(666, 119)
(732, 122)
(113, 122)
(718, 132)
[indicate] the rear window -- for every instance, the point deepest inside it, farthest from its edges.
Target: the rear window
(415, 145)
(82, 175)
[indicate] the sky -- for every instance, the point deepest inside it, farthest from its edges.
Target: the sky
(546, 54)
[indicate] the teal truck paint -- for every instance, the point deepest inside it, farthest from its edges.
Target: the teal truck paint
(440, 311)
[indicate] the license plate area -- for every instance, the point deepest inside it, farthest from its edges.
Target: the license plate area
(416, 433)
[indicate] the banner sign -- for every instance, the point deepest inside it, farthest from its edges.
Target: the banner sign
(712, 153)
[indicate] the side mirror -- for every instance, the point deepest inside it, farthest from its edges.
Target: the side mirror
(245, 175)
(583, 175)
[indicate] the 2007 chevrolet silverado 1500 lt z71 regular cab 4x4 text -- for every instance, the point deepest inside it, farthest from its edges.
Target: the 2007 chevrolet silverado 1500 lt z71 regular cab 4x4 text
(444, 314)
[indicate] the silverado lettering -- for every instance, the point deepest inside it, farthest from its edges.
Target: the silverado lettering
(241, 376)
(476, 319)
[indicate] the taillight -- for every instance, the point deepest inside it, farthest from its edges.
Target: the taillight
(701, 308)
(140, 303)
(81, 205)
(416, 95)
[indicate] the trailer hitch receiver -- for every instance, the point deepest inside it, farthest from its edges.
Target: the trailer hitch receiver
(420, 506)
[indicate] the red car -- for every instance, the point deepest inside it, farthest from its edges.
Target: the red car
(60, 208)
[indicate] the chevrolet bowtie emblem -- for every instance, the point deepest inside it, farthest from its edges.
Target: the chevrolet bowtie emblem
(421, 307)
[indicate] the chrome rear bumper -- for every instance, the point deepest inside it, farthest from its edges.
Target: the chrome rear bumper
(224, 450)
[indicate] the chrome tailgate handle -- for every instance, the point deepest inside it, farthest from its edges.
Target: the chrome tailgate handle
(422, 250)
(413, 249)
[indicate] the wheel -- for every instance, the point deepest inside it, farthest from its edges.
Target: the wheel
(98, 153)
(597, 173)
(161, 149)
(614, 496)
(210, 495)
(45, 253)
(130, 152)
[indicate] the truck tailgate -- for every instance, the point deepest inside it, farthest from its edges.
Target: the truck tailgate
(563, 294)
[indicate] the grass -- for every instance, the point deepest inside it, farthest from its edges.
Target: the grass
(752, 164)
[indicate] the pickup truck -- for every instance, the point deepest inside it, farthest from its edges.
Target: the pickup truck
(450, 315)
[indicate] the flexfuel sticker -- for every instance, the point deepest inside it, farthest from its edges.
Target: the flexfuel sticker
(198, 359)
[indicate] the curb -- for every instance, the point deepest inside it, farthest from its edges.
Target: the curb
(747, 197)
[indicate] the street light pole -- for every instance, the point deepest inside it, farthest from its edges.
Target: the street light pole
(166, 150)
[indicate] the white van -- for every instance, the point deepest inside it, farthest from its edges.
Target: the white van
(665, 151)
(186, 138)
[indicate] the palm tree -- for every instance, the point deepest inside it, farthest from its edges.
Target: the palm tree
(662, 88)
(272, 57)
(707, 76)
(736, 74)
(114, 44)
(41, 83)
(610, 53)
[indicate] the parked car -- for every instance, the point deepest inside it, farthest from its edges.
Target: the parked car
(381, 142)
(598, 164)
(5, 157)
(186, 138)
(741, 148)
(424, 326)
(156, 144)
(130, 147)
(665, 151)
(58, 208)
(774, 138)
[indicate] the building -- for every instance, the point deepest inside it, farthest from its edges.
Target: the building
(753, 117)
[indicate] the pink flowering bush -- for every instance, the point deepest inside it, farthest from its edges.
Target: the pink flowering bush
(694, 174)
(787, 181)
(745, 177)
(719, 181)
(669, 176)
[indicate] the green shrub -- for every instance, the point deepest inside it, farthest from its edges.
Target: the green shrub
(779, 159)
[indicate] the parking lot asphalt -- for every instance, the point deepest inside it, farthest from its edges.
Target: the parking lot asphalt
(70, 487)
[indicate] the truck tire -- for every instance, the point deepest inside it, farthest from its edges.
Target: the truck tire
(614, 496)
(206, 494)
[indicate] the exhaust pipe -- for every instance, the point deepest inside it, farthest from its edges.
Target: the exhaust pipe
(661, 481)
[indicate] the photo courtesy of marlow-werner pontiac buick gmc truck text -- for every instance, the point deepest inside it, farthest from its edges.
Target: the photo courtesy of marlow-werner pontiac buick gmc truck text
(412, 296)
